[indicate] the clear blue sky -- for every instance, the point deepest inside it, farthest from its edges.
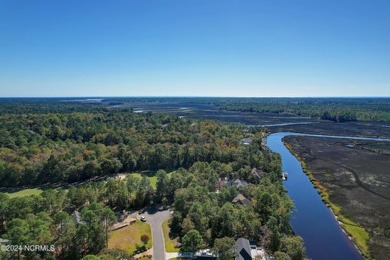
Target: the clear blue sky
(194, 48)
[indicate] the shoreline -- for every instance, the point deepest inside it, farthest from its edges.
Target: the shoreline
(342, 220)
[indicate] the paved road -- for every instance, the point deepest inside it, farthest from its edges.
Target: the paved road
(155, 220)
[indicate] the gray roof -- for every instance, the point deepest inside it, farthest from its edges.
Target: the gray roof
(239, 183)
(76, 217)
(246, 140)
(243, 249)
(235, 183)
(241, 198)
(257, 173)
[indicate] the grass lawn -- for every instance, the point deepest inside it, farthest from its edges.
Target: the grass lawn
(26, 192)
(169, 243)
(129, 237)
(153, 179)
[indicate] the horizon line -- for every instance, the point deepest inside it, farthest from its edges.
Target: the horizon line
(100, 97)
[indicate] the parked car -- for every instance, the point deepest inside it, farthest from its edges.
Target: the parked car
(142, 218)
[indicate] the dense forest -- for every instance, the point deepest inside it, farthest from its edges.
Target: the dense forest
(334, 109)
(72, 147)
(57, 145)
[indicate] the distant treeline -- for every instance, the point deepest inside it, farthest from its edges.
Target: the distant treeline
(334, 109)
(49, 105)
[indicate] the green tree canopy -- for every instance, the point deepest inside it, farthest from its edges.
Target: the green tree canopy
(192, 241)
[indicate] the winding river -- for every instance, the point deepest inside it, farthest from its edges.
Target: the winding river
(311, 219)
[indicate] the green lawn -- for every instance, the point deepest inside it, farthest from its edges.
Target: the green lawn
(129, 237)
(153, 179)
(26, 192)
(169, 243)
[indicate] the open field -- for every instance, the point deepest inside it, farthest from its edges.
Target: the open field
(354, 179)
(129, 237)
(169, 243)
(23, 193)
(152, 177)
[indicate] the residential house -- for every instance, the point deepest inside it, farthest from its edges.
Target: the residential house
(238, 183)
(246, 250)
(258, 174)
(246, 141)
(243, 249)
(76, 217)
(240, 199)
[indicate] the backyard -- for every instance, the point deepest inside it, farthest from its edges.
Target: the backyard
(128, 238)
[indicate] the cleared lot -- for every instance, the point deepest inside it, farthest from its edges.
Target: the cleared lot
(129, 237)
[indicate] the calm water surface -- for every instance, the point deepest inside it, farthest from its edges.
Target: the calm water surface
(311, 219)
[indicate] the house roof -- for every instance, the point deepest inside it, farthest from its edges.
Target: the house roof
(257, 173)
(77, 218)
(238, 198)
(223, 183)
(240, 183)
(241, 198)
(246, 140)
(243, 249)
(236, 183)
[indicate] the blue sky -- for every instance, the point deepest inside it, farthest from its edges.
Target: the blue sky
(194, 48)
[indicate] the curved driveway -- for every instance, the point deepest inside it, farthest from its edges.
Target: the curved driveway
(155, 220)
